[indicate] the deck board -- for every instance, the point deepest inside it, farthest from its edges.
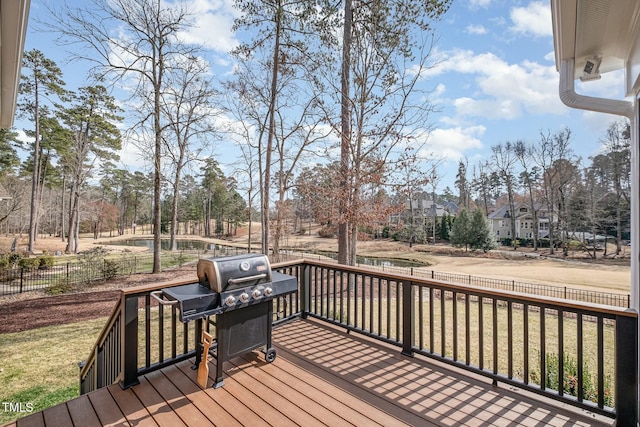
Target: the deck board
(133, 410)
(106, 408)
(82, 412)
(322, 376)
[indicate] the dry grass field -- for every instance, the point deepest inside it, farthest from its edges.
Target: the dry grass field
(577, 270)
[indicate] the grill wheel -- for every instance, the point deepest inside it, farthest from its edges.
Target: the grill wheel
(270, 355)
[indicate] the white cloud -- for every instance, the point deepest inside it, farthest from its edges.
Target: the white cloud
(532, 20)
(212, 25)
(505, 91)
(452, 143)
(479, 3)
(476, 29)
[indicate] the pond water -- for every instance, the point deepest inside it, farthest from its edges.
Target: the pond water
(221, 250)
(182, 245)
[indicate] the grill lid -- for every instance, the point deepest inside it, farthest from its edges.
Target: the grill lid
(233, 272)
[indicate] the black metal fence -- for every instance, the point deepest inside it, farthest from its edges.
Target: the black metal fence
(58, 278)
(565, 292)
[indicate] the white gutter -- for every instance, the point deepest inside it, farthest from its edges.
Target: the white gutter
(571, 99)
(626, 109)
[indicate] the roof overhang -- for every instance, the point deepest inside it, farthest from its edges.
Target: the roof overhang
(14, 15)
(604, 31)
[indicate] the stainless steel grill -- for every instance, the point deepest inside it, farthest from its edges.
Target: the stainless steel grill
(239, 290)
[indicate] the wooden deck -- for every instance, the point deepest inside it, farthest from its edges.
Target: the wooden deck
(322, 376)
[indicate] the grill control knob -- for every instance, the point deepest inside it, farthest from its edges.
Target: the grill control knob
(268, 292)
(244, 297)
(230, 300)
(256, 293)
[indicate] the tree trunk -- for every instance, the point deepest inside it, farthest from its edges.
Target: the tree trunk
(270, 137)
(35, 175)
(345, 117)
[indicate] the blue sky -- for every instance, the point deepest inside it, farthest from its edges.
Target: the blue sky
(496, 80)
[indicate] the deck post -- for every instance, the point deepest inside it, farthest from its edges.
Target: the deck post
(305, 289)
(130, 342)
(408, 317)
(626, 373)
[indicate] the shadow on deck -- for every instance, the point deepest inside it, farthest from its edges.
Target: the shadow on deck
(322, 376)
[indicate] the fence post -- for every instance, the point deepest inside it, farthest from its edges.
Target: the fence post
(129, 356)
(626, 371)
(21, 277)
(305, 290)
(408, 318)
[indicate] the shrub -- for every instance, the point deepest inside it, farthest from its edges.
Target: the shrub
(45, 261)
(29, 263)
(570, 379)
(109, 269)
(9, 260)
(180, 258)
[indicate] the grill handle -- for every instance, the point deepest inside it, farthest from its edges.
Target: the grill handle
(246, 279)
(156, 295)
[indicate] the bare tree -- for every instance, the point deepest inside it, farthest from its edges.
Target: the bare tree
(529, 177)
(617, 148)
(135, 42)
(385, 50)
(546, 154)
(503, 161)
(187, 106)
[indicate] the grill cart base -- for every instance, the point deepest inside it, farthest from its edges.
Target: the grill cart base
(240, 331)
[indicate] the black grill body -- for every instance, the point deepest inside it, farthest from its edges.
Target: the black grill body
(239, 291)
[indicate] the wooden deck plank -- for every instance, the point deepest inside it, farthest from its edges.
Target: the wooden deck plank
(162, 413)
(253, 365)
(33, 420)
(133, 410)
(209, 407)
(251, 398)
(57, 416)
(351, 358)
(107, 409)
(243, 413)
(351, 408)
(82, 413)
(296, 412)
(178, 402)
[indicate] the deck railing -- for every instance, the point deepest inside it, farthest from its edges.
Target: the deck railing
(142, 336)
(581, 354)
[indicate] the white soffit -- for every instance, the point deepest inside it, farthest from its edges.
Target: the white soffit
(586, 29)
(13, 28)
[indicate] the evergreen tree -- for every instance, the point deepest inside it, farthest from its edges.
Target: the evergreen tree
(445, 226)
(461, 230)
(479, 232)
(471, 230)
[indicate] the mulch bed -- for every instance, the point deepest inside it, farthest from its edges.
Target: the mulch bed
(33, 310)
(56, 310)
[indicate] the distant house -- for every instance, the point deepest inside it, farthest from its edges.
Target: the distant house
(424, 210)
(500, 222)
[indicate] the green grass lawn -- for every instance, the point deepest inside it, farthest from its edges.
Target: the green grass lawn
(40, 366)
